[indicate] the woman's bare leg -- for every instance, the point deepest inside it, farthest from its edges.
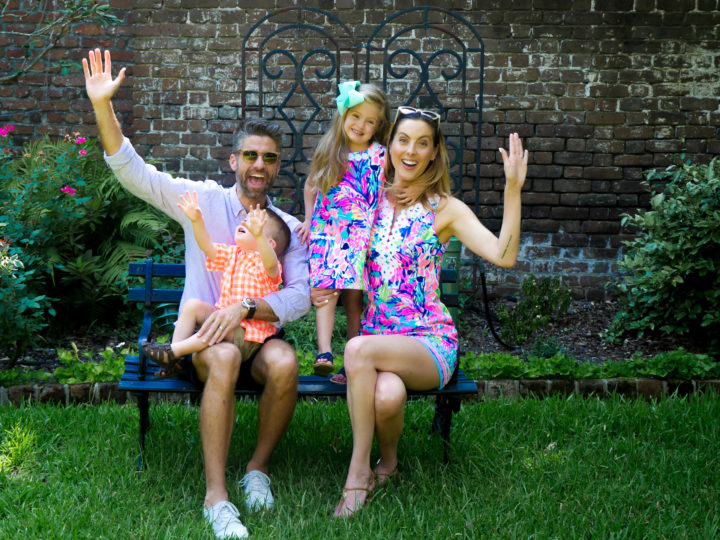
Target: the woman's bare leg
(390, 399)
(365, 358)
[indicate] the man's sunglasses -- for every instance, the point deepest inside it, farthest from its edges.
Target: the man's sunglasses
(251, 156)
(409, 112)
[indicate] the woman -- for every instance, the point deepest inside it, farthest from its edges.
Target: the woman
(408, 338)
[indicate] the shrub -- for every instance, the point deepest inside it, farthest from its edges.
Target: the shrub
(62, 206)
(671, 281)
(23, 313)
(541, 302)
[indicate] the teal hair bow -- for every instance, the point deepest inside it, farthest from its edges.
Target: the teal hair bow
(349, 96)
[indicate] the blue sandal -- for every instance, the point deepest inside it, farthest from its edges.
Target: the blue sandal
(323, 365)
(339, 377)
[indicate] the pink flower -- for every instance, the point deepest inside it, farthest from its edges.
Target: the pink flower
(83, 152)
(80, 140)
(68, 190)
(6, 129)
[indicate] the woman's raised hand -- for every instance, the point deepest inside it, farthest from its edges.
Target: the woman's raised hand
(99, 84)
(515, 163)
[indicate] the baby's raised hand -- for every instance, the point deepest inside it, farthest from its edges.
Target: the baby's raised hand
(255, 221)
(189, 205)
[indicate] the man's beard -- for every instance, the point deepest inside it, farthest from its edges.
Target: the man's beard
(254, 194)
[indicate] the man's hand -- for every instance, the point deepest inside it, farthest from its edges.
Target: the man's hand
(320, 297)
(189, 205)
(221, 323)
(99, 84)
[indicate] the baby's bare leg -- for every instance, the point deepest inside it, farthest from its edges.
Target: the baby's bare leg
(193, 313)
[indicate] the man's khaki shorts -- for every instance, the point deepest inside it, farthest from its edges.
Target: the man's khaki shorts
(247, 348)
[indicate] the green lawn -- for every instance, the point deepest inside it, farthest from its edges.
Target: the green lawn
(548, 468)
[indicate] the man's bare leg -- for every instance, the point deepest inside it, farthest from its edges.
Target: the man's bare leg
(276, 367)
(218, 366)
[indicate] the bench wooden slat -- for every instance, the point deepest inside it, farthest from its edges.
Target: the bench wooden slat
(157, 295)
(158, 269)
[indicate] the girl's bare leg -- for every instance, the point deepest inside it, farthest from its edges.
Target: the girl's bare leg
(325, 322)
(352, 300)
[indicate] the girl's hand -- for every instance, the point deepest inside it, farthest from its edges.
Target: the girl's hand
(99, 84)
(255, 221)
(189, 205)
(515, 163)
(303, 232)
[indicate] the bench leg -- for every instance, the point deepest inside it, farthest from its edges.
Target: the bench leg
(144, 408)
(445, 406)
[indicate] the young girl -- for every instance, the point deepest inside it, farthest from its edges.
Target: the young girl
(342, 191)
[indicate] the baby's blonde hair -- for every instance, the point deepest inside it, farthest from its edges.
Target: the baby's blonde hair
(330, 159)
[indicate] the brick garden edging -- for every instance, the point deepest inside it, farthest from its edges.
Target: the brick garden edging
(94, 393)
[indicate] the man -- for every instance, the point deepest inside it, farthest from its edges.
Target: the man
(255, 161)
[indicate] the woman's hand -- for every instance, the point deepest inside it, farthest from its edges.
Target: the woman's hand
(515, 163)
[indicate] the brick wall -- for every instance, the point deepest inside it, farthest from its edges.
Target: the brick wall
(600, 90)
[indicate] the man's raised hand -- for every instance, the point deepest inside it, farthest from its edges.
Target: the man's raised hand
(99, 84)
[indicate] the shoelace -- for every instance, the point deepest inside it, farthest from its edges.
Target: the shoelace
(256, 482)
(227, 508)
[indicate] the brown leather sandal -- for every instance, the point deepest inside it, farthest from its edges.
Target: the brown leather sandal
(161, 354)
(383, 478)
(350, 513)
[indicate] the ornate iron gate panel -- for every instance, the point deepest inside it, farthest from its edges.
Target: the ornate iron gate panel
(432, 58)
(292, 62)
(427, 57)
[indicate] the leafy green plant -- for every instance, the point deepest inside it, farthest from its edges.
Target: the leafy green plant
(23, 313)
(671, 270)
(76, 226)
(546, 348)
(679, 364)
(541, 302)
(77, 370)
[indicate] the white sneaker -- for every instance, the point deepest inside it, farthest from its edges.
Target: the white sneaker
(257, 491)
(224, 520)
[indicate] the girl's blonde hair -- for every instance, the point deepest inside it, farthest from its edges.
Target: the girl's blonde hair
(435, 180)
(330, 159)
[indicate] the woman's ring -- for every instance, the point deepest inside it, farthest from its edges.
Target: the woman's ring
(220, 327)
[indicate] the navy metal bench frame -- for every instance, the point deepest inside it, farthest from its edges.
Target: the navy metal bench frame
(138, 377)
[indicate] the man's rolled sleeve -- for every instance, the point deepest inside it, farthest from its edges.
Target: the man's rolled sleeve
(293, 300)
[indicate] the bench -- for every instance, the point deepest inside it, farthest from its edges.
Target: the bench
(138, 377)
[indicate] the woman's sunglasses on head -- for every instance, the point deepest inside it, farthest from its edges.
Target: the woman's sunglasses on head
(251, 156)
(410, 112)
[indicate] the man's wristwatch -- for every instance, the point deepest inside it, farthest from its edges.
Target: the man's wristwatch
(251, 305)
